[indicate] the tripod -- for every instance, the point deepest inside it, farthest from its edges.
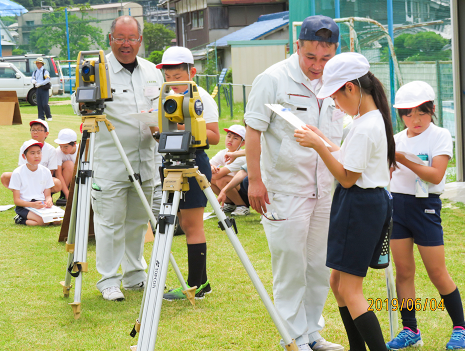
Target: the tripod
(76, 244)
(176, 181)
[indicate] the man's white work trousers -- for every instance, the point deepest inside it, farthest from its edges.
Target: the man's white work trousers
(298, 257)
(120, 223)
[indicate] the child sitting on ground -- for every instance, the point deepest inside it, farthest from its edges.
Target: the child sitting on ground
(223, 173)
(66, 157)
(39, 132)
(31, 184)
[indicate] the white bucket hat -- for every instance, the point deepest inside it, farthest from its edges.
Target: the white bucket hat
(176, 55)
(414, 94)
(66, 136)
(341, 69)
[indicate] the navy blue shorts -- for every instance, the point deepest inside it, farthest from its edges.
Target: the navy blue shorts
(358, 222)
(22, 211)
(244, 191)
(195, 197)
(418, 218)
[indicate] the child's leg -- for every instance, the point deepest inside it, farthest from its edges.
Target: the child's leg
(57, 187)
(67, 169)
(435, 264)
(34, 219)
(191, 221)
(6, 176)
(402, 253)
(351, 291)
(232, 195)
(356, 342)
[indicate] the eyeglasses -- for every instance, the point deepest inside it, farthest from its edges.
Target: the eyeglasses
(37, 130)
(131, 41)
(272, 216)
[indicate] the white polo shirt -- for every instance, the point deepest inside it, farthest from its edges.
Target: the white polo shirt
(62, 157)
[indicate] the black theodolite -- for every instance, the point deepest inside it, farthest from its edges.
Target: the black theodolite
(179, 147)
(92, 90)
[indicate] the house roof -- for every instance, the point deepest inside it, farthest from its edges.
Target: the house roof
(264, 25)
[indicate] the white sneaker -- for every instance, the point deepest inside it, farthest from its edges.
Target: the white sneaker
(136, 287)
(228, 207)
(304, 347)
(241, 211)
(113, 293)
(323, 345)
(49, 119)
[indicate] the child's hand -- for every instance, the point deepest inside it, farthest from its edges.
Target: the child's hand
(229, 157)
(308, 138)
(315, 130)
(37, 204)
(214, 169)
(48, 202)
(400, 157)
(221, 197)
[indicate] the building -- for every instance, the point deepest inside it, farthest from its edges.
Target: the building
(7, 40)
(103, 14)
(200, 22)
(158, 15)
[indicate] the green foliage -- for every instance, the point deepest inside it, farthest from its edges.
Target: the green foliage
(210, 63)
(228, 76)
(52, 33)
(18, 51)
(423, 46)
(157, 36)
(8, 20)
(156, 56)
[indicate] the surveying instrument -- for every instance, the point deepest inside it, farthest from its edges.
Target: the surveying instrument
(92, 90)
(179, 147)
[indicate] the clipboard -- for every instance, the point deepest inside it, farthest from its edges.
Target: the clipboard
(52, 214)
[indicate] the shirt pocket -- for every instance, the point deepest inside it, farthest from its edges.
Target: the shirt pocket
(301, 106)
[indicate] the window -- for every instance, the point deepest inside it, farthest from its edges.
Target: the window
(197, 19)
(29, 23)
(7, 73)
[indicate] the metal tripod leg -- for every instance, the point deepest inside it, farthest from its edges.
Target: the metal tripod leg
(391, 294)
(79, 264)
(150, 314)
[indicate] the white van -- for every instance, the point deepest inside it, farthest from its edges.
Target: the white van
(12, 79)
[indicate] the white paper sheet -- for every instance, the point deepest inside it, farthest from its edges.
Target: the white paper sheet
(51, 214)
(290, 117)
(149, 118)
(6, 207)
(208, 215)
(412, 157)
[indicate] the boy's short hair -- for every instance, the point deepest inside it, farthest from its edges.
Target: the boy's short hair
(41, 122)
(236, 129)
(27, 144)
(176, 55)
(182, 66)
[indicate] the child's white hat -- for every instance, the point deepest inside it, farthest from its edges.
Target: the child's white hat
(27, 144)
(66, 136)
(414, 94)
(341, 69)
(236, 129)
(40, 121)
(176, 55)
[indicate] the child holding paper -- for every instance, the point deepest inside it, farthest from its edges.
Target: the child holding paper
(417, 215)
(31, 184)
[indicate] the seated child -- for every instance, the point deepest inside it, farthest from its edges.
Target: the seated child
(66, 157)
(39, 132)
(222, 173)
(240, 182)
(31, 184)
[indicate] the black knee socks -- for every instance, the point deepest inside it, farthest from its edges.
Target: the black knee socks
(408, 318)
(356, 342)
(368, 327)
(197, 262)
(454, 307)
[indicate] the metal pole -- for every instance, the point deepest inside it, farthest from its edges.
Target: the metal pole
(391, 63)
(312, 8)
(69, 55)
(231, 100)
(219, 93)
(439, 98)
(243, 96)
(337, 14)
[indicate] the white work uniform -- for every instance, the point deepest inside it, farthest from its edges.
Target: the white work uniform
(120, 219)
(299, 187)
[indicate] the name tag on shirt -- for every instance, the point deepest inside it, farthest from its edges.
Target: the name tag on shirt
(151, 91)
(430, 211)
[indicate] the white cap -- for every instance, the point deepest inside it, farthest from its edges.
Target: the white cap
(40, 121)
(237, 129)
(414, 94)
(27, 144)
(39, 60)
(341, 69)
(66, 136)
(176, 55)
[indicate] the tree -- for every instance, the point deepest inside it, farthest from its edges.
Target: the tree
(157, 37)
(423, 46)
(52, 33)
(156, 57)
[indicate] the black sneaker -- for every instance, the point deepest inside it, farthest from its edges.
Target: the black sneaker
(61, 201)
(19, 220)
(203, 290)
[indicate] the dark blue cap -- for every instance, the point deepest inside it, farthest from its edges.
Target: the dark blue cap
(313, 24)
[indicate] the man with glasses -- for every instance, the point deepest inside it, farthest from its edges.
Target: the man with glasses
(120, 220)
(290, 187)
(39, 132)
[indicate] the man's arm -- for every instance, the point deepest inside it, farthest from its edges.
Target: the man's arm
(258, 195)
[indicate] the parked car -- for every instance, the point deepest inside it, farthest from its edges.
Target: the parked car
(25, 63)
(12, 79)
(66, 79)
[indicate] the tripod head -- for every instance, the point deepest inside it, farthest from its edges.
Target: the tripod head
(92, 82)
(187, 109)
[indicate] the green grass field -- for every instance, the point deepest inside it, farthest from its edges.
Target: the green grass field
(34, 315)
